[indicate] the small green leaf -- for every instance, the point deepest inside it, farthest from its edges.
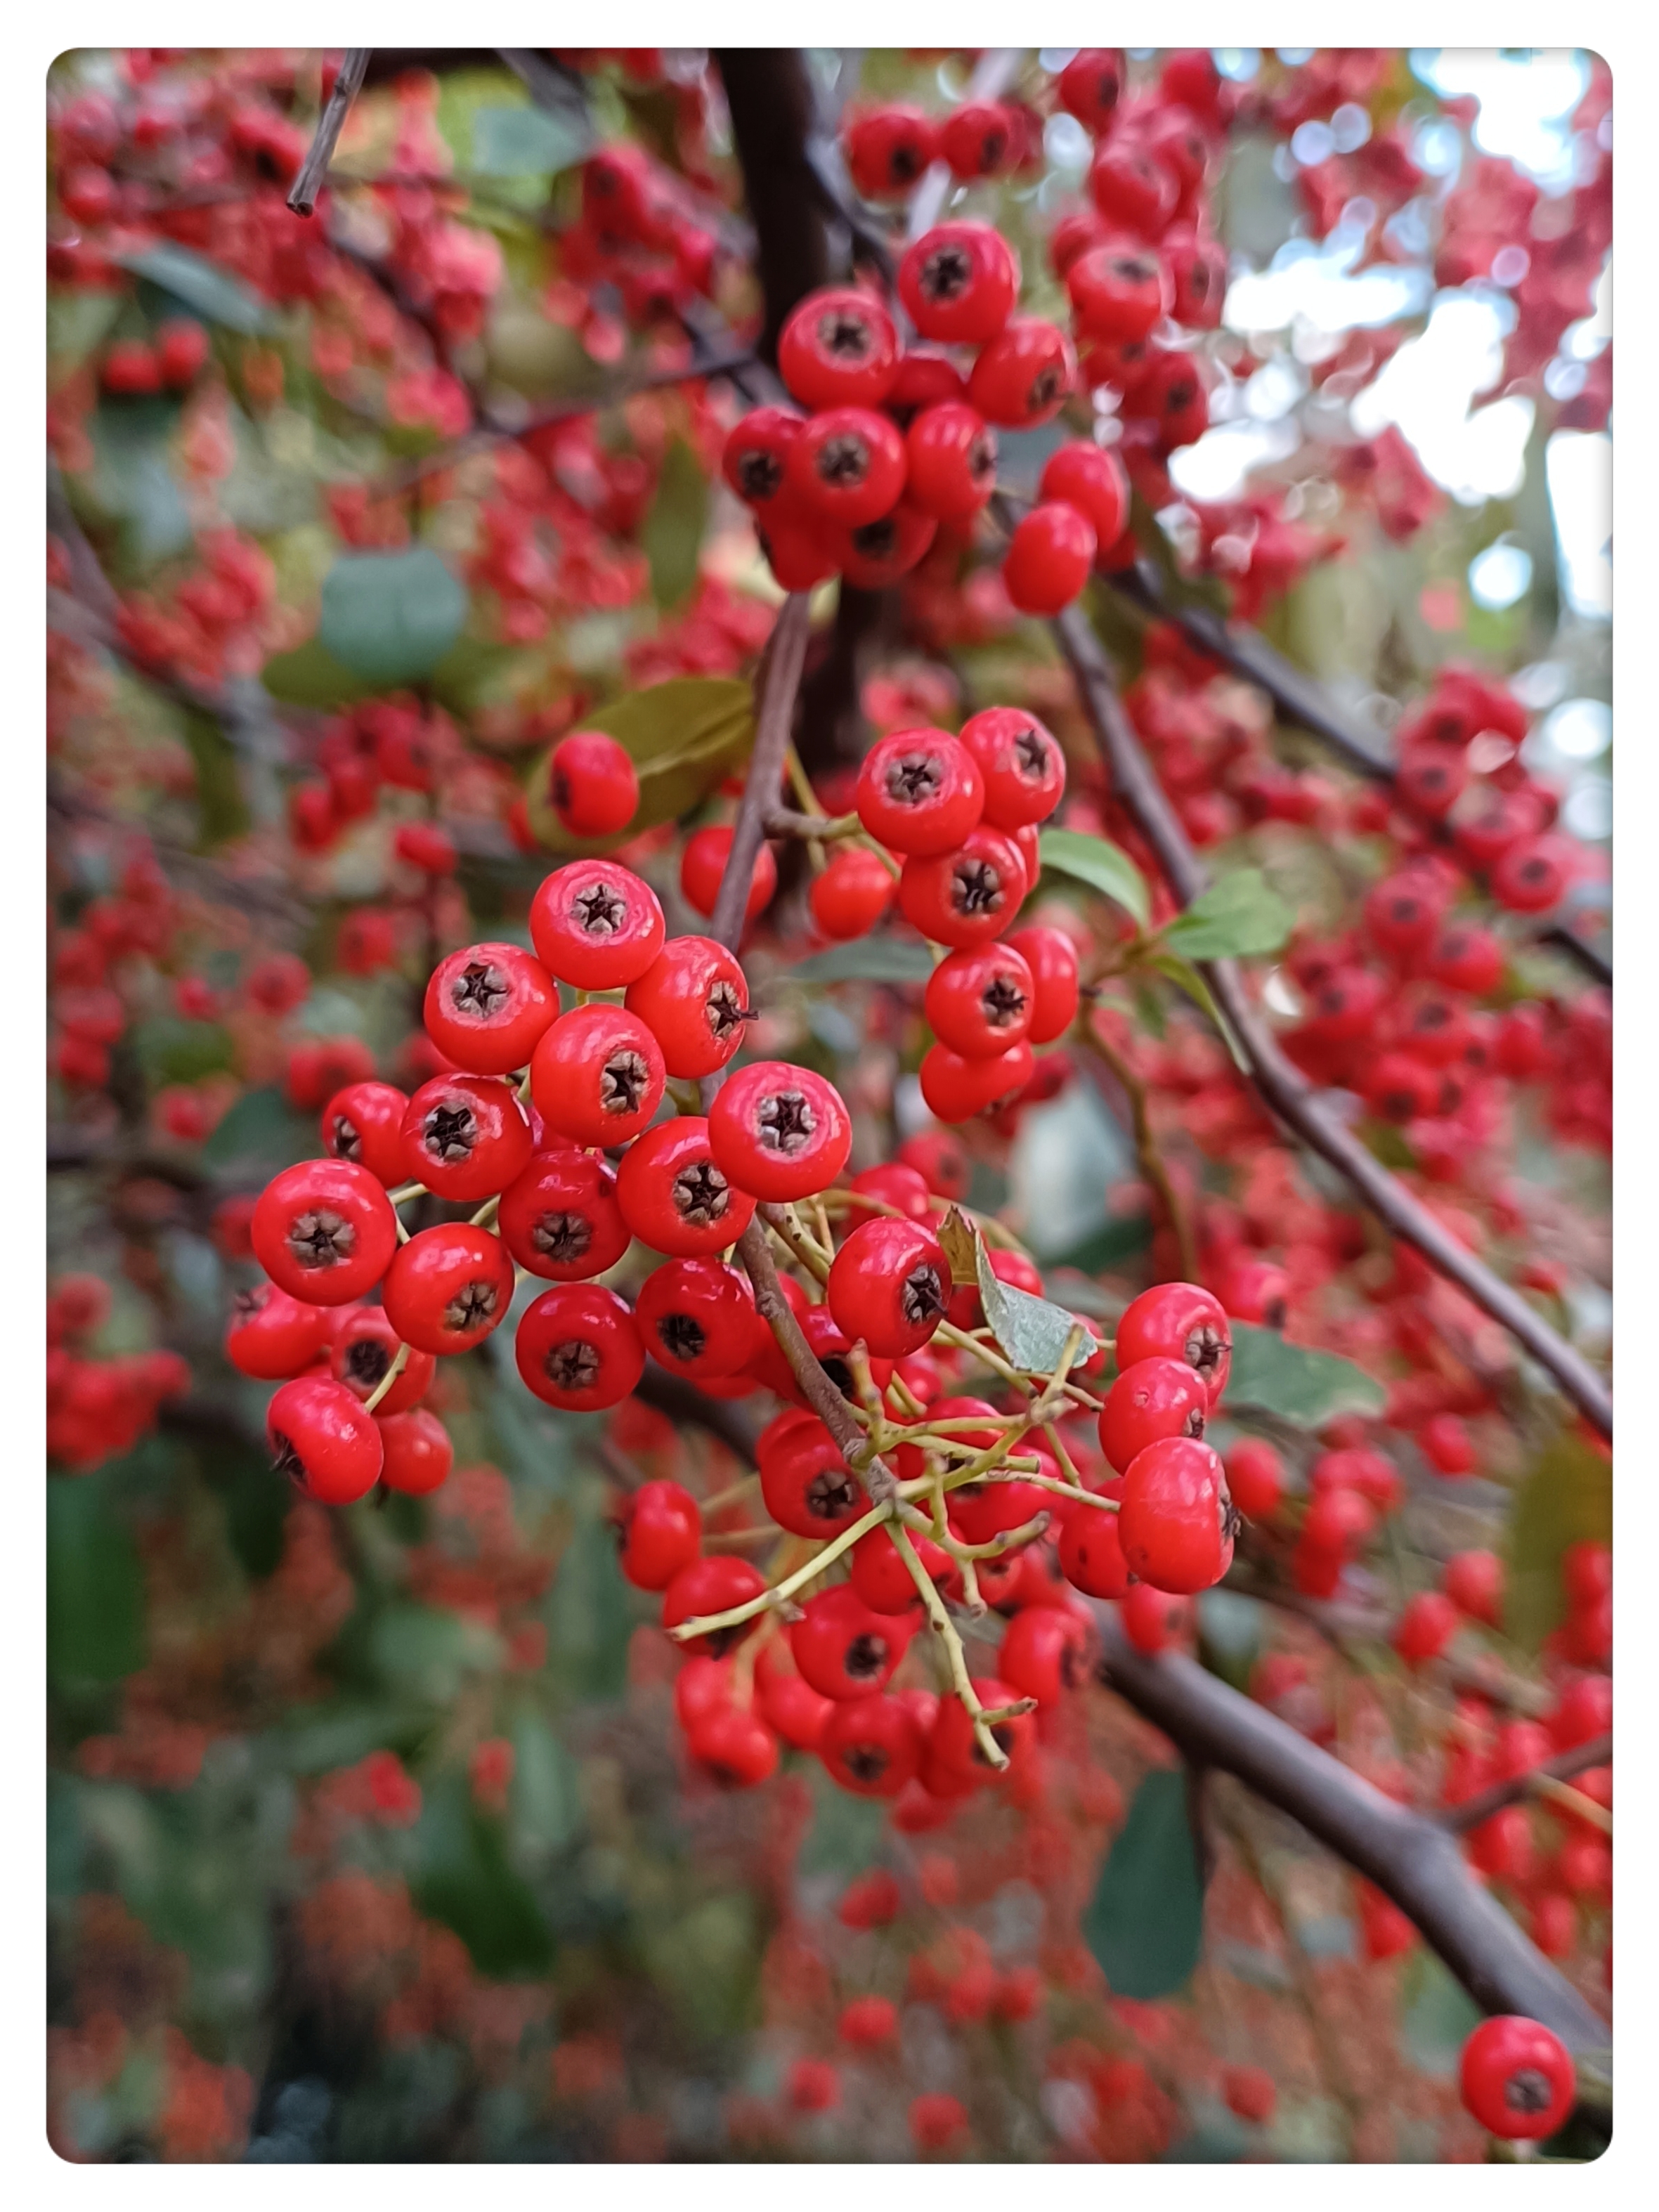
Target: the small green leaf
(1031, 1331)
(1100, 864)
(524, 142)
(1566, 1497)
(94, 1585)
(1185, 977)
(682, 737)
(1144, 1923)
(310, 676)
(466, 1880)
(221, 810)
(868, 960)
(1308, 1388)
(391, 617)
(1240, 915)
(261, 1131)
(213, 292)
(672, 535)
(1437, 2015)
(544, 1802)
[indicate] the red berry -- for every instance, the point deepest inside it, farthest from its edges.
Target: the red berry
(807, 1485)
(1533, 875)
(560, 1219)
(838, 348)
(780, 1132)
(488, 1006)
(954, 1744)
(1473, 1581)
(756, 460)
(1177, 1521)
(1022, 377)
(1250, 2093)
(696, 1318)
(1051, 957)
(853, 893)
(1022, 768)
(1178, 1321)
(364, 1123)
(1152, 1619)
(959, 283)
(597, 1076)
(966, 896)
(661, 1532)
(1516, 2078)
(272, 1336)
(1152, 1399)
(979, 1002)
(592, 783)
(813, 2085)
(703, 869)
(1120, 292)
(693, 999)
(181, 350)
(578, 1348)
(877, 554)
(889, 1283)
(596, 925)
(709, 1585)
(790, 1706)
(426, 846)
(1133, 189)
(1424, 1628)
(951, 455)
(871, 1744)
(417, 1452)
(465, 1137)
(888, 148)
(324, 1232)
(674, 1195)
(843, 1649)
(365, 1345)
(448, 1287)
(1049, 558)
(1096, 483)
(1256, 1476)
(1046, 1650)
(981, 138)
(1091, 85)
(1583, 1711)
(955, 1089)
(920, 792)
(1091, 1553)
(321, 1438)
(737, 1747)
(846, 466)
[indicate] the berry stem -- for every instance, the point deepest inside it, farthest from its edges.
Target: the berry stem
(400, 1361)
(956, 1658)
(773, 1599)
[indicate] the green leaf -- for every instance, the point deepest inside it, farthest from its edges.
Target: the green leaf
(1100, 864)
(133, 479)
(465, 1879)
(1308, 1388)
(544, 1802)
(524, 142)
(310, 676)
(214, 293)
(682, 737)
(1240, 915)
(390, 618)
(589, 1616)
(170, 1050)
(421, 1652)
(672, 535)
(221, 810)
(1437, 2015)
(261, 1130)
(1185, 977)
(1144, 1923)
(1566, 1497)
(867, 960)
(94, 1585)
(1031, 1330)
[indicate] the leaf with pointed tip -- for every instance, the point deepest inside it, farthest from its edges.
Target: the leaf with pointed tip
(1144, 1923)
(1240, 915)
(682, 737)
(199, 283)
(1300, 1385)
(1031, 1331)
(1100, 864)
(960, 1243)
(868, 960)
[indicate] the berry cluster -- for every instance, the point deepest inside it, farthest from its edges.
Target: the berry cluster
(96, 1409)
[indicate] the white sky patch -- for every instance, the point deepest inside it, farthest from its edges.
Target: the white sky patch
(1526, 98)
(1500, 575)
(1311, 284)
(1426, 389)
(1216, 467)
(1578, 468)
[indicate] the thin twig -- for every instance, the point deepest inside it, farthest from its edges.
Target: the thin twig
(302, 198)
(1146, 1150)
(1473, 1811)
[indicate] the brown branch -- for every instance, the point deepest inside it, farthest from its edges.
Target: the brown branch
(302, 198)
(770, 94)
(1299, 699)
(1459, 1818)
(1282, 1087)
(1146, 1151)
(1413, 1859)
(786, 657)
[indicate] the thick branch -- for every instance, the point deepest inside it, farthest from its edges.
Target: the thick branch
(303, 197)
(770, 94)
(1410, 1858)
(1282, 1087)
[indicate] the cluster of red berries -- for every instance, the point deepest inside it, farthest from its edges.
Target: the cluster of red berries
(96, 1409)
(900, 443)
(638, 230)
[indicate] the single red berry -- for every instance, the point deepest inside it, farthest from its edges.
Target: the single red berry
(888, 148)
(800, 551)
(597, 1076)
(1094, 482)
(980, 1001)
(1473, 1581)
(674, 1195)
(780, 1132)
(954, 1745)
(694, 998)
(181, 350)
(1049, 558)
(846, 464)
(1120, 292)
(1051, 957)
(1024, 769)
(981, 138)
(1587, 1572)
(735, 1747)
(702, 871)
(1091, 85)
(790, 1706)
(1133, 189)
(593, 784)
(1091, 1553)
(1256, 1476)
(920, 792)
(711, 1585)
(955, 1089)
(812, 2086)
(867, 2023)
(968, 895)
(560, 1219)
(1152, 1619)
(696, 1318)
(889, 1283)
(843, 1649)
(448, 1287)
(883, 1580)
(596, 925)
(1178, 1321)
(1516, 2078)
(951, 457)
(877, 554)
(1023, 376)
(1425, 1626)
(927, 377)
(661, 1533)
(425, 846)
(806, 1484)
(1535, 875)
(871, 1744)
(365, 1345)
(1249, 2092)
(465, 1137)
(756, 460)
(488, 1006)
(417, 1452)
(272, 1336)
(1177, 1521)
(1046, 1650)
(852, 894)
(938, 1158)
(1152, 1399)
(578, 1348)
(322, 1440)
(895, 1183)
(324, 1232)
(959, 283)
(838, 348)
